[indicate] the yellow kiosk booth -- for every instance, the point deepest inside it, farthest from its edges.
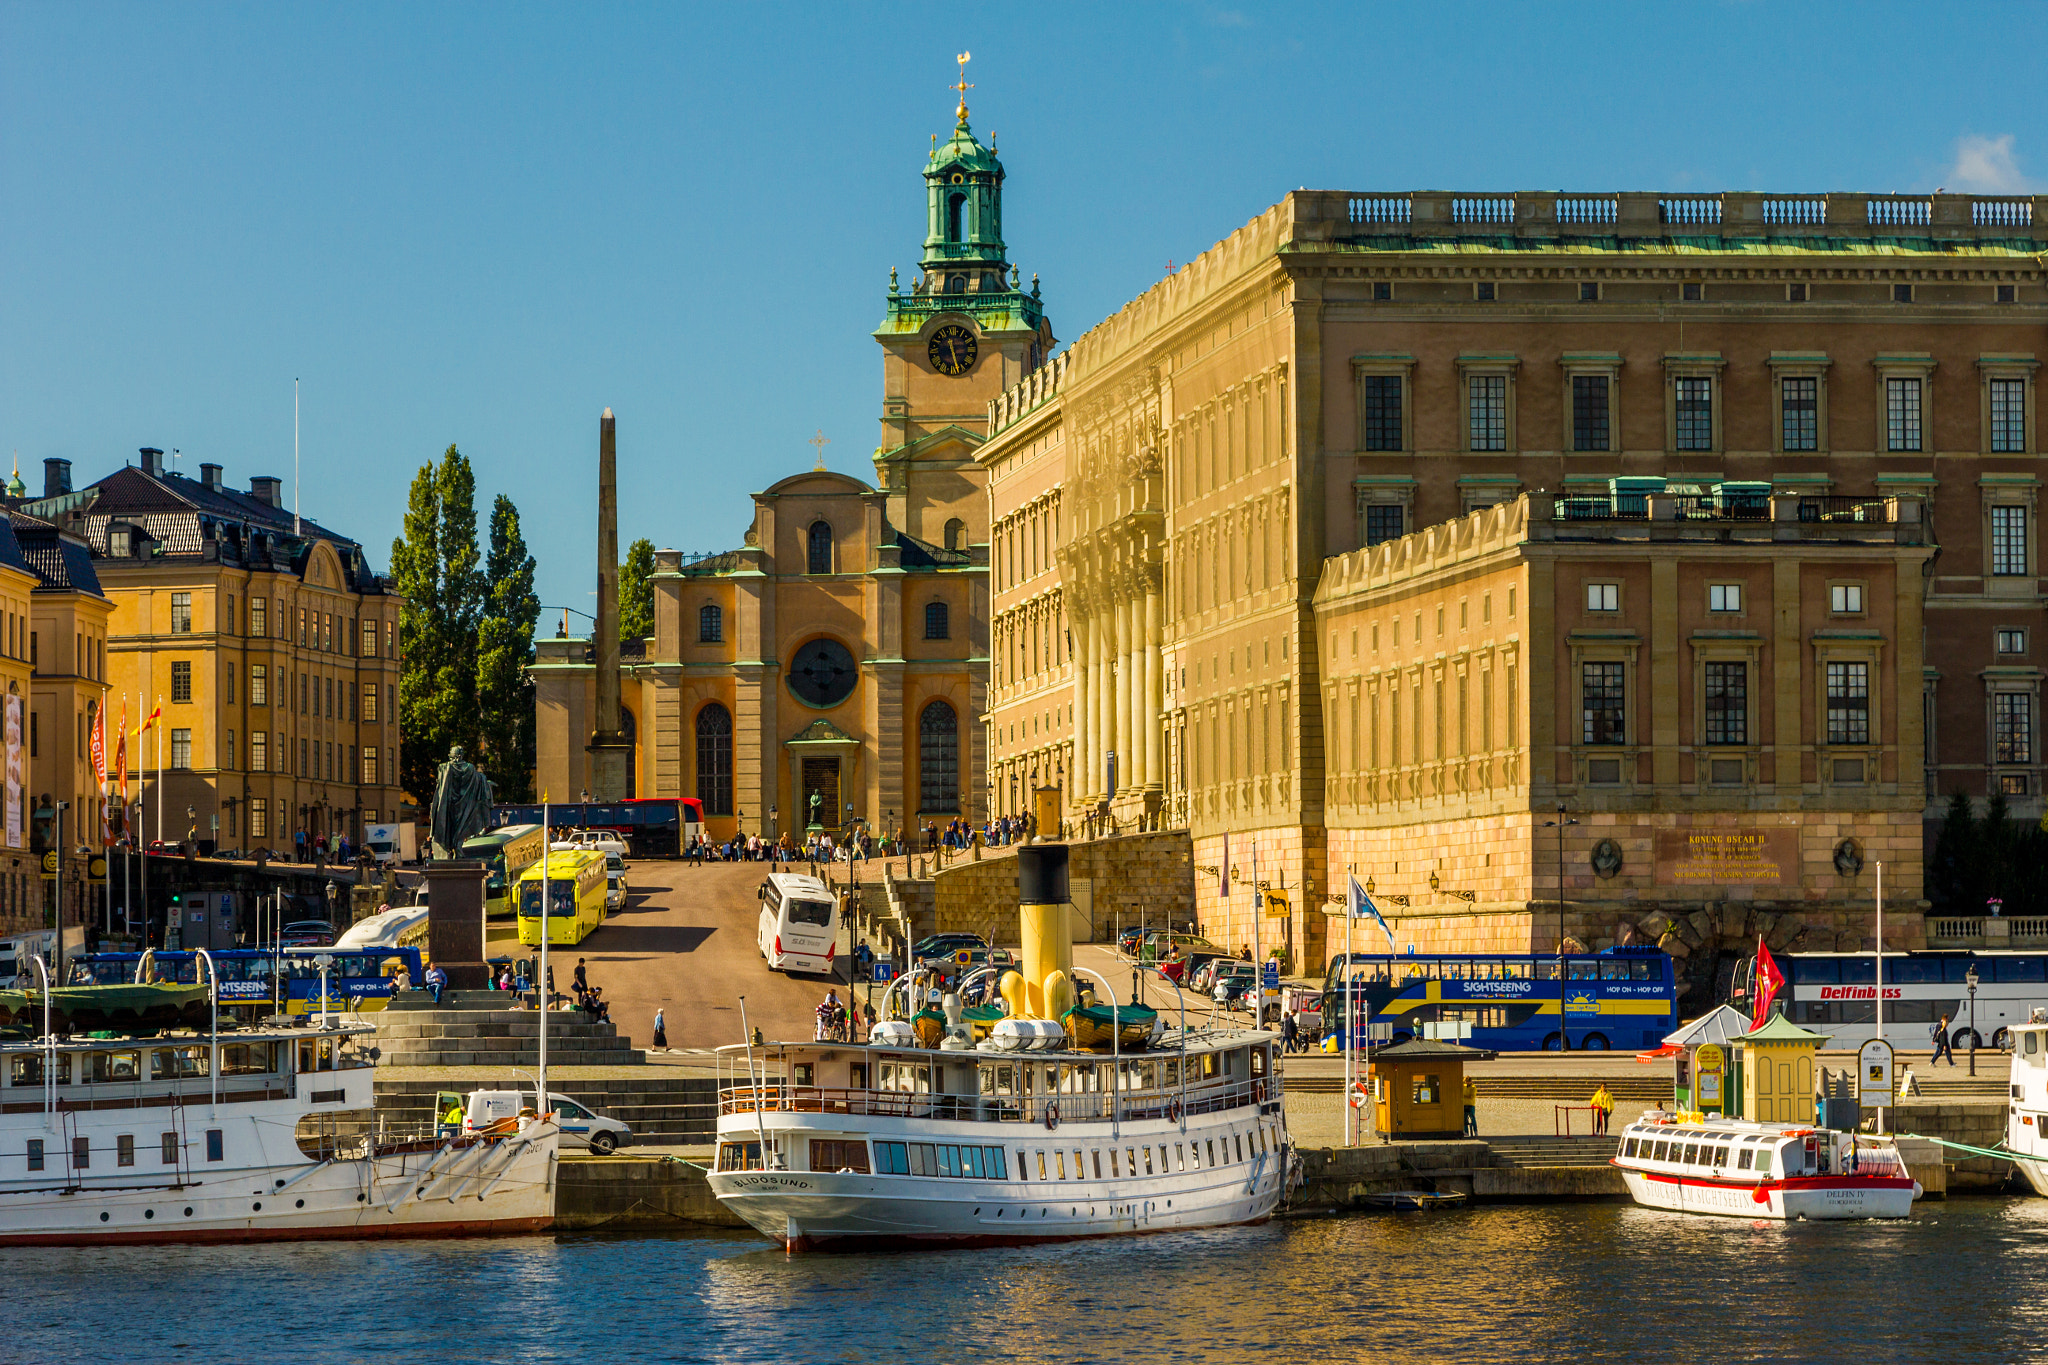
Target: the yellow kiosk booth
(1773, 1069)
(1418, 1088)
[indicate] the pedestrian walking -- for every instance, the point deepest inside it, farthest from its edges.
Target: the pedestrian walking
(1471, 1109)
(1941, 1047)
(660, 1030)
(582, 980)
(1290, 1032)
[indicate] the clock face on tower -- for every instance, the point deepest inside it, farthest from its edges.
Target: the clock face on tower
(953, 349)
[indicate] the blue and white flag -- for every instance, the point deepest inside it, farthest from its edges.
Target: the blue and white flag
(1361, 906)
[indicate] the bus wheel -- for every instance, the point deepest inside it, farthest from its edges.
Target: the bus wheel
(1551, 1042)
(2002, 1040)
(1963, 1036)
(1594, 1042)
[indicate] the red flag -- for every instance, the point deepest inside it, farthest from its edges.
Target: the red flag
(1769, 981)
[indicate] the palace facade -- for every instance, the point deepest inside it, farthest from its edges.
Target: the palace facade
(1171, 494)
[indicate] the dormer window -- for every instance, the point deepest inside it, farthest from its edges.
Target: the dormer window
(119, 543)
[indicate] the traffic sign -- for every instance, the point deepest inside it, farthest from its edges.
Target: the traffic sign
(885, 971)
(1270, 977)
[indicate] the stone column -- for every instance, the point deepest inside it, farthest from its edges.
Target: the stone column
(1083, 695)
(1121, 725)
(1155, 693)
(1101, 630)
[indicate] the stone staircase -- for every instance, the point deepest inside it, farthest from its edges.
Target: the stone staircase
(1540, 1150)
(467, 1031)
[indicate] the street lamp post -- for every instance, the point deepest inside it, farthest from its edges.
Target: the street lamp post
(1970, 980)
(1564, 1037)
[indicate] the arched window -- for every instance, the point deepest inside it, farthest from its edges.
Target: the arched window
(710, 624)
(956, 534)
(938, 760)
(821, 547)
(935, 621)
(956, 218)
(714, 759)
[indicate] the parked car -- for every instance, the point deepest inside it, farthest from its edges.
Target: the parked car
(945, 945)
(581, 1126)
(307, 933)
(1128, 939)
(1233, 978)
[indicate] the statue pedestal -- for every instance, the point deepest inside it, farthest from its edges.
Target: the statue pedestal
(455, 922)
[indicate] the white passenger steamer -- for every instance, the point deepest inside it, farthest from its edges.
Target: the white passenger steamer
(2027, 1111)
(1762, 1170)
(1023, 1136)
(189, 1135)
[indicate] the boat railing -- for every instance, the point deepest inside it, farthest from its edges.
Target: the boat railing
(1205, 1097)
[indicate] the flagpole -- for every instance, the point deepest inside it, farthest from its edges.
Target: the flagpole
(1350, 1018)
(1880, 984)
(156, 719)
(547, 857)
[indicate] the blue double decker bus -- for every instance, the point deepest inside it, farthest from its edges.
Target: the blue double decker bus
(1621, 998)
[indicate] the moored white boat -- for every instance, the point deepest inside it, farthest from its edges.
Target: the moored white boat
(2027, 1113)
(1762, 1170)
(241, 1136)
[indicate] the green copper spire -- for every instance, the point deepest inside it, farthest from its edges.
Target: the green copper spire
(963, 199)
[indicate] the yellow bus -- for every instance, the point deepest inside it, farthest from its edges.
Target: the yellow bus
(506, 854)
(575, 883)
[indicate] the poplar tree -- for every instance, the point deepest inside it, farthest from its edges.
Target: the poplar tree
(636, 592)
(504, 649)
(434, 566)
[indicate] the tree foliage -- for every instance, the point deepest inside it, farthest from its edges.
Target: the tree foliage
(1977, 858)
(466, 632)
(636, 591)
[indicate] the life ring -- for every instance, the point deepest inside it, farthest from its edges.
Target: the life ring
(1173, 1111)
(1361, 1095)
(1259, 1091)
(1052, 1117)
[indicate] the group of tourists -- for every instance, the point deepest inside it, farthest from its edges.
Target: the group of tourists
(957, 835)
(836, 1020)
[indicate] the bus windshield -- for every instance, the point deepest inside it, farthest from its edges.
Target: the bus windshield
(561, 901)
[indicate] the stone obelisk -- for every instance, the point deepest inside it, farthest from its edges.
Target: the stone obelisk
(610, 754)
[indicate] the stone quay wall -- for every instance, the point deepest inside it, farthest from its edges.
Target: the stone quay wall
(1117, 880)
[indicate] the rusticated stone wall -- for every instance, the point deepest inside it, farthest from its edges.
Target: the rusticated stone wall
(1115, 881)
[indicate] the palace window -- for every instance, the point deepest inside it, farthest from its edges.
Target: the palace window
(1487, 403)
(1604, 715)
(259, 685)
(1382, 522)
(369, 765)
(1724, 597)
(259, 614)
(935, 625)
(956, 534)
(1383, 412)
(228, 751)
(714, 759)
(1589, 412)
(1727, 703)
(2012, 642)
(370, 702)
(2008, 416)
(1800, 412)
(1603, 597)
(1848, 703)
(1695, 412)
(710, 624)
(181, 613)
(259, 754)
(181, 680)
(259, 815)
(2012, 727)
(2008, 541)
(1845, 599)
(938, 759)
(820, 541)
(181, 748)
(1902, 414)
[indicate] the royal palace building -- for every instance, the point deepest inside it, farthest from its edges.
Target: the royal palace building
(832, 669)
(1536, 555)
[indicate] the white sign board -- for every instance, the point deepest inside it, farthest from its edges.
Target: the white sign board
(1874, 1085)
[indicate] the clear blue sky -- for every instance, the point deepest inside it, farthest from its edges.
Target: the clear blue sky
(483, 224)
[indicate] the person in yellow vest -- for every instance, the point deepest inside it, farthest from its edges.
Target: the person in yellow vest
(451, 1121)
(1603, 1108)
(1471, 1109)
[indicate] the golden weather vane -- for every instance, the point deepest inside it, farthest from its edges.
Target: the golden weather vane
(963, 85)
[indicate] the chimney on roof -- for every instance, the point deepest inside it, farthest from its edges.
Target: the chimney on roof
(209, 474)
(265, 488)
(153, 462)
(56, 477)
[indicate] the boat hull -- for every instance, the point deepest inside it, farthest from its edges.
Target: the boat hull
(492, 1189)
(1812, 1198)
(2035, 1169)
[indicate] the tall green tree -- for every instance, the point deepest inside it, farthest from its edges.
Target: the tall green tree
(504, 650)
(636, 591)
(434, 566)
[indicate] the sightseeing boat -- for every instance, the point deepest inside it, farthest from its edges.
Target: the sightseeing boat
(1025, 1135)
(1782, 1171)
(185, 1134)
(2027, 1114)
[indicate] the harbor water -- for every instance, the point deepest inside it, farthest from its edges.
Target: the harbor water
(1962, 1280)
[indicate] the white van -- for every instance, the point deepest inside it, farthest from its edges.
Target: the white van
(581, 1126)
(799, 927)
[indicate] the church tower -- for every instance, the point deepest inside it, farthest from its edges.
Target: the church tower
(962, 333)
